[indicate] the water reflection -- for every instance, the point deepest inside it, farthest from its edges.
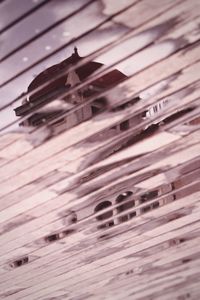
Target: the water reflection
(51, 103)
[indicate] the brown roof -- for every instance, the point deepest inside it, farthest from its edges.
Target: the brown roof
(58, 86)
(83, 72)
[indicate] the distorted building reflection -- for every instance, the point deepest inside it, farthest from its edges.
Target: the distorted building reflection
(52, 104)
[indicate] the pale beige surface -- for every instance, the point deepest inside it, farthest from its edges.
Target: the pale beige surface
(155, 255)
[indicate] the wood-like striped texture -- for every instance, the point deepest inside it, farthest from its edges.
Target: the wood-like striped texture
(52, 245)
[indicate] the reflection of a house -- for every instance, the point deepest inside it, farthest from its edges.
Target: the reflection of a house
(50, 116)
(125, 199)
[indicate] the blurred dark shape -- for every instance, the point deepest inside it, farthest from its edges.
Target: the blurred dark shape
(53, 100)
